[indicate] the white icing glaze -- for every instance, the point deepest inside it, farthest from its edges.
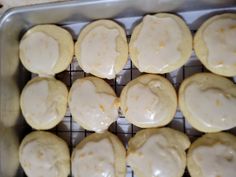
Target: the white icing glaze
(95, 159)
(95, 110)
(145, 105)
(39, 160)
(98, 51)
(38, 105)
(157, 43)
(41, 52)
(211, 106)
(156, 158)
(219, 37)
(217, 160)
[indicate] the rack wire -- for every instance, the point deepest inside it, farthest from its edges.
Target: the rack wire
(72, 133)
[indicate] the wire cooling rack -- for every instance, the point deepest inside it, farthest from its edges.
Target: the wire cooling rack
(69, 130)
(72, 133)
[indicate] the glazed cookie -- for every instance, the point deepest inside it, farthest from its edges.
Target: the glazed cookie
(213, 155)
(99, 155)
(158, 152)
(46, 49)
(44, 154)
(93, 103)
(208, 102)
(44, 102)
(161, 43)
(215, 46)
(149, 101)
(102, 49)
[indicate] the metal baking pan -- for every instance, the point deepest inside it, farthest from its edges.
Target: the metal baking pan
(73, 16)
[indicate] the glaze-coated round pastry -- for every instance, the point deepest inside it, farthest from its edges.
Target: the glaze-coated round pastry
(99, 154)
(215, 46)
(149, 101)
(158, 152)
(44, 154)
(213, 154)
(161, 43)
(102, 49)
(46, 49)
(44, 102)
(208, 102)
(93, 104)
